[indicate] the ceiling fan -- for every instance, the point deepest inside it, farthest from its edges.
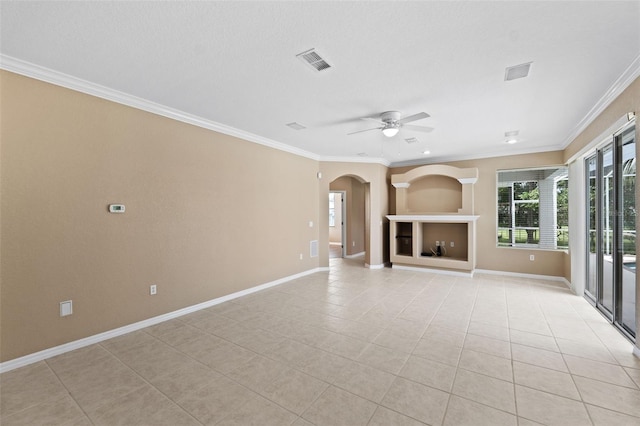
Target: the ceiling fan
(392, 123)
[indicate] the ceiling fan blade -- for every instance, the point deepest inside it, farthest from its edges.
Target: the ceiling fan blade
(374, 119)
(365, 130)
(418, 128)
(414, 117)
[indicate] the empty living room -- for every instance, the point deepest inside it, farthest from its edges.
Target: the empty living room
(319, 213)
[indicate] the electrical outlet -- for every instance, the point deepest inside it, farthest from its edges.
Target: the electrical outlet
(153, 289)
(452, 244)
(354, 244)
(301, 256)
(532, 257)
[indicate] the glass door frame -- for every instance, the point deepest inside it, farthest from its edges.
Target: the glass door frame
(615, 144)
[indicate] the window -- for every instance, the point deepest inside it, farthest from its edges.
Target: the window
(332, 209)
(533, 208)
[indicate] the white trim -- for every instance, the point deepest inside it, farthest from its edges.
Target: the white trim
(401, 185)
(97, 338)
(628, 76)
(379, 266)
(28, 69)
(562, 280)
(434, 271)
(433, 217)
(367, 160)
(465, 181)
(48, 75)
(449, 158)
(602, 139)
(351, 256)
(636, 351)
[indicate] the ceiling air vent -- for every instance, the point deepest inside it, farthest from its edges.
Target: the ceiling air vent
(296, 126)
(411, 140)
(518, 71)
(314, 60)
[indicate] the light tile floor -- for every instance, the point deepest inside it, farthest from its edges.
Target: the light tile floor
(350, 347)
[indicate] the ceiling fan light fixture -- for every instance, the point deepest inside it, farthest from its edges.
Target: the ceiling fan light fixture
(390, 131)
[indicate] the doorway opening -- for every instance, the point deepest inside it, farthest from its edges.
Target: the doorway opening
(337, 224)
(348, 224)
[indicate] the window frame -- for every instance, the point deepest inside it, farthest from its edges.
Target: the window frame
(545, 234)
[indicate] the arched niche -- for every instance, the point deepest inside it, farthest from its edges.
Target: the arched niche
(436, 189)
(434, 194)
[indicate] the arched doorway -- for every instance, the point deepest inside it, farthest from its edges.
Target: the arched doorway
(347, 218)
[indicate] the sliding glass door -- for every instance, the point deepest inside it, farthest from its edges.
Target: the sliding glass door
(592, 240)
(611, 234)
(626, 297)
(607, 220)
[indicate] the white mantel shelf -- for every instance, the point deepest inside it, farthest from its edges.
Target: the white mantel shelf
(445, 218)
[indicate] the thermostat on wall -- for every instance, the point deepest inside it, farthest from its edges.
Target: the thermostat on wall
(116, 208)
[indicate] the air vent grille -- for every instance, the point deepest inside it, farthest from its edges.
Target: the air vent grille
(311, 58)
(518, 71)
(411, 140)
(296, 126)
(313, 248)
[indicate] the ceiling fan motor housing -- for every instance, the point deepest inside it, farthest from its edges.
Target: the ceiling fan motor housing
(390, 116)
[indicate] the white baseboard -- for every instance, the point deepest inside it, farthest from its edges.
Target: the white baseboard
(351, 256)
(435, 271)
(81, 343)
(532, 276)
(380, 266)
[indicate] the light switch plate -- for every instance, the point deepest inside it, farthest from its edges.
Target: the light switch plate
(66, 308)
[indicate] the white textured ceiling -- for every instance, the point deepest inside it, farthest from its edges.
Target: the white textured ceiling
(234, 63)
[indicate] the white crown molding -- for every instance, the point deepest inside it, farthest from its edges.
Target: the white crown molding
(81, 343)
(494, 154)
(628, 76)
(37, 72)
(366, 160)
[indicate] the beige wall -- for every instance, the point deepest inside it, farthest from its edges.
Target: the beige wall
(489, 256)
(206, 215)
(355, 200)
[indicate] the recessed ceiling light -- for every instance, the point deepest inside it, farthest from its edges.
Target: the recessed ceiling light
(518, 71)
(511, 141)
(426, 152)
